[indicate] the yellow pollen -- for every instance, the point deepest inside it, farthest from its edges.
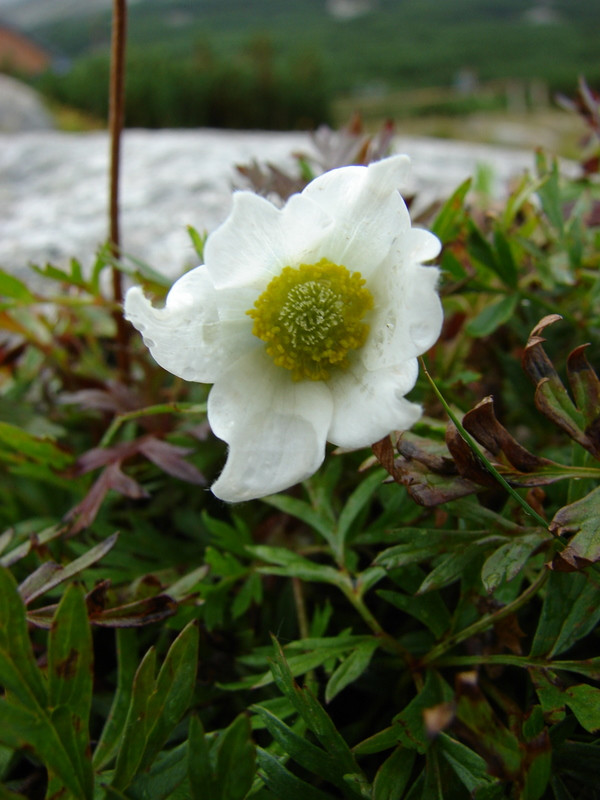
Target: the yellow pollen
(310, 317)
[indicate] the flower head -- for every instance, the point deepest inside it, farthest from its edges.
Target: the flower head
(308, 320)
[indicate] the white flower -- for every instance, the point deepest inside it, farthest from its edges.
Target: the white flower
(308, 320)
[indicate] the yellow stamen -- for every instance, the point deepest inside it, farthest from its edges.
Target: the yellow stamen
(311, 317)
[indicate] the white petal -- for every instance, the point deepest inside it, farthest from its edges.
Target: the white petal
(369, 405)
(258, 240)
(276, 429)
(369, 214)
(192, 336)
(407, 318)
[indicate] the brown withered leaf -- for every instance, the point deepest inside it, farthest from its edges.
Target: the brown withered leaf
(551, 397)
(482, 423)
(416, 470)
(467, 463)
(136, 614)
(270, 180)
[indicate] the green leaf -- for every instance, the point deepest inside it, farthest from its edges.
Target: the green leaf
(450, 219)
(313, 714)
(27, 446)
(350, 669)
(393, 775)
(493, 316)
(282, 782)
(453, 566)
(508, 560)
(236, 760)
(293, 565)
(137, 724)
(200, 770)
(250, 592)
(571, 610)
(429, 609)
(408, 727)
(113, 727)
(356, 502)
(24, 729)
(584, 702)
(308, 755)
(468, 766)
(70, 679)
(166, 774)
(173, 690)
(580, 517)
(14, 288)
(303, 511)
(19, 672)
(549, 194)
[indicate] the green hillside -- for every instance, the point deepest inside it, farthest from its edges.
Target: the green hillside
(399, 44)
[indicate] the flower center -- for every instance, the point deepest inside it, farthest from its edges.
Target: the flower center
(311, 317)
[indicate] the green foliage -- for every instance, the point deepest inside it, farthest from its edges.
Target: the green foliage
(255, 89)
(401, 44)
(420, 622)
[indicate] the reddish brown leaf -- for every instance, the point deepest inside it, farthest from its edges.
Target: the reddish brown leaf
(482, 424)
(137, 614)
(171, 459)
(468, 464)
(84, 513)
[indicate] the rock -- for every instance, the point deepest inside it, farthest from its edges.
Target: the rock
(54, 187)
(21, 108)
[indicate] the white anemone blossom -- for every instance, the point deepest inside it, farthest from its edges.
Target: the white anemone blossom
(307, 319)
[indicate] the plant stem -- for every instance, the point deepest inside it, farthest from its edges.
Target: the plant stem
(487, 621)
(115, 126)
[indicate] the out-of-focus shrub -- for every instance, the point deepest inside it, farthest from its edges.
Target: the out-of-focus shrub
(255, 90)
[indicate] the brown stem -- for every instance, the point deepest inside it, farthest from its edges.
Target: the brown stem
(115, 126)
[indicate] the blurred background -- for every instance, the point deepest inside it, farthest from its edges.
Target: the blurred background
(485, 70)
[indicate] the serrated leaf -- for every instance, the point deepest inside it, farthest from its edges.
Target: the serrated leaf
(350, 669)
